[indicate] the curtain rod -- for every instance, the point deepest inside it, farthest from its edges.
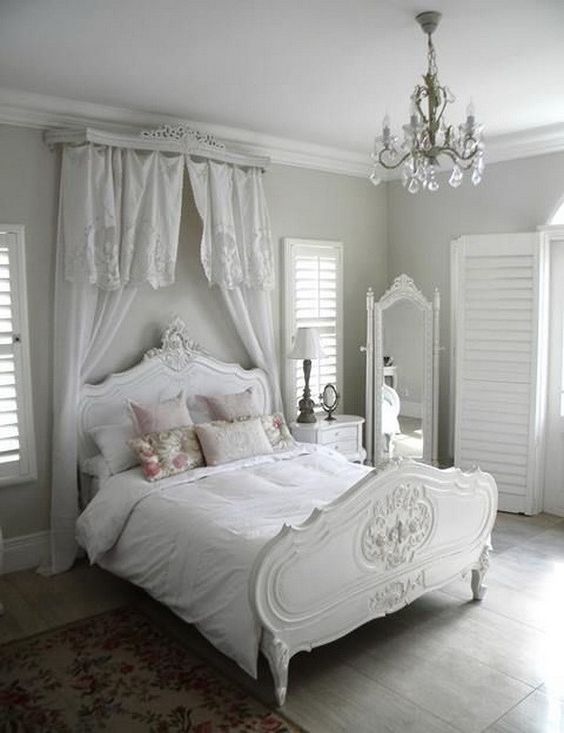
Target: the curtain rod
(167, 139)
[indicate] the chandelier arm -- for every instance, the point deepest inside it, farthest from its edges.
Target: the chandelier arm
(458, 158)
(395, 165)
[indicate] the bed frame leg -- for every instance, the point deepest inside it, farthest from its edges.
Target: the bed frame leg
(278, 655)
(479, 573)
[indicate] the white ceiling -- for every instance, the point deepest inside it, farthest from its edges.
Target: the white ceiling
(324, 71)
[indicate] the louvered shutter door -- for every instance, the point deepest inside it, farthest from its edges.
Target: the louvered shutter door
(17, 459)
(314, 298)
(497, 312)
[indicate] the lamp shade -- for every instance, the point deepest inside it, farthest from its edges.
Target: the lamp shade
(307, 344)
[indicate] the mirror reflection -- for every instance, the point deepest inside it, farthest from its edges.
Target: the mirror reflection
(404, 385)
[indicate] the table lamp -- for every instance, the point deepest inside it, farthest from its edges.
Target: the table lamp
(307, 346)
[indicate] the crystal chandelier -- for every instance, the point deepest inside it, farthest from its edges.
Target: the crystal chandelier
(428, 138)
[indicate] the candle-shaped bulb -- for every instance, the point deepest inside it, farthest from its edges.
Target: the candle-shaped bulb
(386, 129)
(413, 114)
(471, 111)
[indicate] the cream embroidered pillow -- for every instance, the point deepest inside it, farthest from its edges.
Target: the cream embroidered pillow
(167, 453)
(223, 442)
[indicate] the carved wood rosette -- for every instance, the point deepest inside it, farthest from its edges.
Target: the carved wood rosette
(177, 348)
(399, 526)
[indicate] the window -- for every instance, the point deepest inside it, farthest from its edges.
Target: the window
(17, 444)
(313, 297)
(558, 217)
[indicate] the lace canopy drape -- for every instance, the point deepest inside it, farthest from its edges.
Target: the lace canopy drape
(237, 255)
(119, 221)
(120, 216)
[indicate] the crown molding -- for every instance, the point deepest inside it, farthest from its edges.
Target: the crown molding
(44, 112)
(24, 109)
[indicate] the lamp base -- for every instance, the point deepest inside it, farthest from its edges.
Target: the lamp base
(306, 404)
(307, 413)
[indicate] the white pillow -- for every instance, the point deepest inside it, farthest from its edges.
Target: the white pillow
(112, 444)
(223, 442)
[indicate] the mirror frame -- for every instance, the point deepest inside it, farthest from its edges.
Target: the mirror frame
(403, 288)
(337, 398)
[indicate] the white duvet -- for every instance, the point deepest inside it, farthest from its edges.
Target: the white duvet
(191, 540)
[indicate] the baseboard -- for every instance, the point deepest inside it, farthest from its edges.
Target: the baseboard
(554, 508)
(410, 409)
(25, 552)
(512, 503)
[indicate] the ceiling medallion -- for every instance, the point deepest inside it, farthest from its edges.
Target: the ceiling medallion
(427, 137)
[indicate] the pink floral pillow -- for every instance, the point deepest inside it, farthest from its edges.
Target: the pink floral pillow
(160, 416)
(277, 432)
(166, 453)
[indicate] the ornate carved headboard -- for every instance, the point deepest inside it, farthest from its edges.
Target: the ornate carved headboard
(179, 363)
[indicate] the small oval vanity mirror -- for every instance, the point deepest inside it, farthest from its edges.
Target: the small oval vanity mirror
(329, 400)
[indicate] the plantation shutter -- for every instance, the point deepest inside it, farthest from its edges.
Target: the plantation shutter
(314, 298)
(496, 362)
(17, 453)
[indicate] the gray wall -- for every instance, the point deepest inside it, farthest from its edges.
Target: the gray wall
(516, 196)
(313, 205)
(302, 203)
(28, 195)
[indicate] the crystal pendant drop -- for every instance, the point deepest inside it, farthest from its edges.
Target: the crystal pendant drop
(455, 177)
(413, 185)
(433, 185)
(476, 176)
(375, 178)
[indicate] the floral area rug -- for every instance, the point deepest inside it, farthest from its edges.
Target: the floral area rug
(117, 672)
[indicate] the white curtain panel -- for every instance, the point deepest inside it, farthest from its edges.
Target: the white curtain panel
(120, 215)
(119, 218)
(237, 256)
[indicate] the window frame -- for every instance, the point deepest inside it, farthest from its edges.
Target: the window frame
(24, 395)
(290, 247)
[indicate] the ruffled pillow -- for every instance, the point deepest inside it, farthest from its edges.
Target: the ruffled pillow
(161, 416)
(223, 442)
(168, 452)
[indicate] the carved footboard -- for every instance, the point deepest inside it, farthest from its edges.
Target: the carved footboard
(393, 536)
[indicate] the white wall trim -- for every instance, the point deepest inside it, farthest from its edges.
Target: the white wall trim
(26, 551)
(42, 111)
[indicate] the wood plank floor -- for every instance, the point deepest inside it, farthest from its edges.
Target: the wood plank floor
(442, 664)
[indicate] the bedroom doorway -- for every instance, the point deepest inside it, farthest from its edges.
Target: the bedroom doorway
(554, 456)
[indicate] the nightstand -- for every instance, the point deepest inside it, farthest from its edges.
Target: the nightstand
(344, 434)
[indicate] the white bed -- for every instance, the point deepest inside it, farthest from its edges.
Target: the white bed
(278, 553)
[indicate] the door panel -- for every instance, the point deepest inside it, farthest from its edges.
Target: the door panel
(496, 351)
